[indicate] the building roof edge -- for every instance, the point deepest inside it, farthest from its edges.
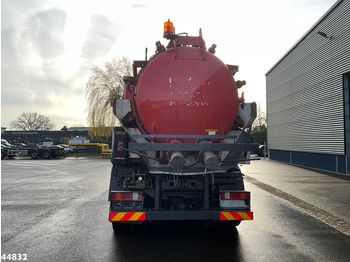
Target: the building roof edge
(304, 36)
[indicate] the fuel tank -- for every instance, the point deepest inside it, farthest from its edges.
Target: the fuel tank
(185, 91)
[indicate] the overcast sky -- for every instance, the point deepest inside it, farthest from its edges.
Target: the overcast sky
(48, 47)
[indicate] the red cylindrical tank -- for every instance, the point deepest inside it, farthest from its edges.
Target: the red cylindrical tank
(182, 91)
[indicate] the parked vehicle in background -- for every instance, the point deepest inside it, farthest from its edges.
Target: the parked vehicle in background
(79, 148)
(7, 151)
(46, 144)
(79, 140)
(6, 143)
(19, 145)
(67, 148)
(30, 145)
(45, 150)
(262, 151)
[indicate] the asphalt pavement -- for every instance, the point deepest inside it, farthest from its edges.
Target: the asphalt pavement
(57, 210)
(324, 195)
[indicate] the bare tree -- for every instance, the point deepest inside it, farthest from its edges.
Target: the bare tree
(259, 132)
(32, 122)
(104, 85)
(260, 120)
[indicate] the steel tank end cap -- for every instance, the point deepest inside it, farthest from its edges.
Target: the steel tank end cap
(177, 160)
(211, 161)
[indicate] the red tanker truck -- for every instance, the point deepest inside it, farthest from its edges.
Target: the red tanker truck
(184, 131)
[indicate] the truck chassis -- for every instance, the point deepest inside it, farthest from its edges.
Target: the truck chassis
(34, 153)
(139, 193)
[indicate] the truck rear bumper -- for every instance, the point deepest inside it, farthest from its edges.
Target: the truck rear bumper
(179, 215)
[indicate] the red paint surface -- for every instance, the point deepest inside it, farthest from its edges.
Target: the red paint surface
(127, 216)
(186, 95)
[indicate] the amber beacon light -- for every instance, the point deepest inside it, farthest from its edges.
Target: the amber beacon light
(168, 30)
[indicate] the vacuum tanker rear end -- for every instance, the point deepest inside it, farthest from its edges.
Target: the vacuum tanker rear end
(185, 129)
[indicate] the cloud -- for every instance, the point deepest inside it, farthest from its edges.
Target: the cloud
(15, 11)
(32, 48)
(7, 48)
(12, 100)
(139, 5)
(100, 38)
(313, 5)
(44, 32)
(31, 52)
(47, 51)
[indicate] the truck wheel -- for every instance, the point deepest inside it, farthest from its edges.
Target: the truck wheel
(123, 228)
(46, 154)
(236, 223)
(62, 154)
(34, 154)
(231, 224)
(3, 155)
(120, 227)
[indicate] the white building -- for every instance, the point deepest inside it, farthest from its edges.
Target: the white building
(308, 93)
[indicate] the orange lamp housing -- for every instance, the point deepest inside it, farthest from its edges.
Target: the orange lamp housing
(234, 199)
(168, 30)
(126, 200)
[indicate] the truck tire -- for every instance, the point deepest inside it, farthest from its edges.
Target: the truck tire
(117, 227)
(3, 155)
(236, 223)
(124, 228)
(46, 154)
(61, 153)
(34, 154)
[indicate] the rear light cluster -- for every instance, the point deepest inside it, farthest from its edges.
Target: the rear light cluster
(126, 200)
(235, 199)
(126, 196)
(234, 195)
